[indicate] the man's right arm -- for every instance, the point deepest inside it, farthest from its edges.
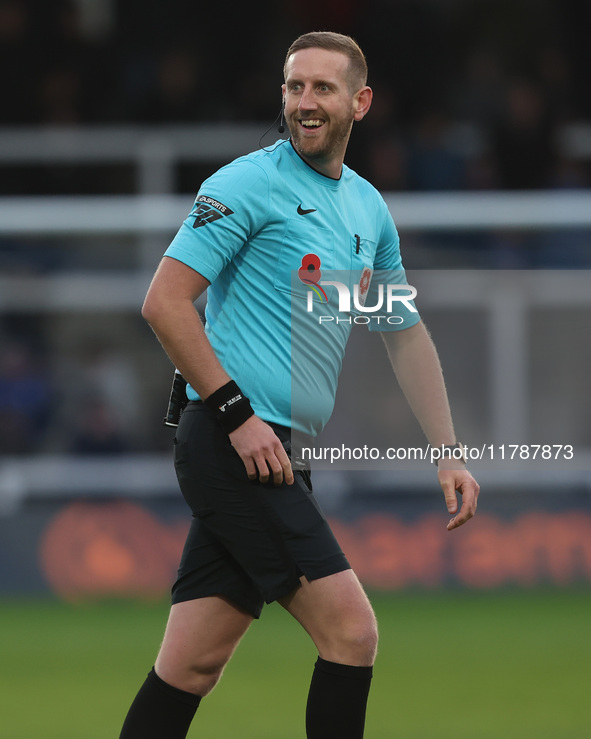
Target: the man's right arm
(170, 311)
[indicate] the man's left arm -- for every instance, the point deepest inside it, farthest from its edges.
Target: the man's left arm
(418, 370)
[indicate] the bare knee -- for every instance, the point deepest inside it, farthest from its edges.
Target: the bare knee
(337, 614)
(198, 677)
(355, 642)
(201, 636)
(350, 640)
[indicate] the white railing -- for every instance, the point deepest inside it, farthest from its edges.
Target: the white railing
(156, 150)
(140, 215)
(151, 218)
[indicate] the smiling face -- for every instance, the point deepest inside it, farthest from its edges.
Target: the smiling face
(321, 106)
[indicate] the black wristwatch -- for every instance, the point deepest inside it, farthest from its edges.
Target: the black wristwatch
(448, 451)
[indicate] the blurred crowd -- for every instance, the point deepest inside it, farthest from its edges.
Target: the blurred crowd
(74, 387)
(468, 96)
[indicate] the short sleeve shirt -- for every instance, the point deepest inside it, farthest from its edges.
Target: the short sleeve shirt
(254, 228)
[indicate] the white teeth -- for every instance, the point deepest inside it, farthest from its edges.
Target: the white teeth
(315, 123)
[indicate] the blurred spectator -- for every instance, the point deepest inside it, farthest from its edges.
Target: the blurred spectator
(407, 46)
(25, 400)
(97, 430)
(97, 17)
(557, 84)
(107, 373)
(175, 98)
(481, 172)
(513, 250)
(433, 164)
(576, 20)
(60, 101)
(569, 174)
(91, 372)
(33, 256)
(19, 65)
(566, 248)
(77, 79)
(523, 140)
(341, 15)
(387, 163)
(479, 95)
(78, 62)
(377, 148)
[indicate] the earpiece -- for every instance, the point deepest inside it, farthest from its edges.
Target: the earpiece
(281, 127)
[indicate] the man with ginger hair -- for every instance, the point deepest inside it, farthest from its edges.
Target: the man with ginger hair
(257, 533)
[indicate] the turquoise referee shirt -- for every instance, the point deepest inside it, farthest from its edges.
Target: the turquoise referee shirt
(267, 231)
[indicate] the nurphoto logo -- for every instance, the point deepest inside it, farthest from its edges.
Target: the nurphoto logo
(384, 297)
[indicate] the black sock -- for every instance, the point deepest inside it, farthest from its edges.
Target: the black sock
(337, 701)
(159, 711)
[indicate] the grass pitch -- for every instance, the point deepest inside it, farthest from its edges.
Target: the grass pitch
(465, 665)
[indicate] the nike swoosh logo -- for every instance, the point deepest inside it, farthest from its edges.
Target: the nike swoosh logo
(303, 212)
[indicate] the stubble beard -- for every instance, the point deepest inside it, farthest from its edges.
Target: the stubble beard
(333, 145)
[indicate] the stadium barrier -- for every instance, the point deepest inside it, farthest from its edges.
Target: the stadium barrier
(85, 549)
(66, 523)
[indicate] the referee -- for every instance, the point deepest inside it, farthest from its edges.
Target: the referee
(257, 532)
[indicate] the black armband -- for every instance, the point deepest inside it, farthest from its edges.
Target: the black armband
(230, 406)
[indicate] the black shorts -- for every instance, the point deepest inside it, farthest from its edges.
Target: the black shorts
(248, 542)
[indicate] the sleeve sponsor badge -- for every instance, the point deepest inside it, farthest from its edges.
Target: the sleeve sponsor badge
(207, 210)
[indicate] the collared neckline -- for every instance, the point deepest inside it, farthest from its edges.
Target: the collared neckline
(311, 172)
